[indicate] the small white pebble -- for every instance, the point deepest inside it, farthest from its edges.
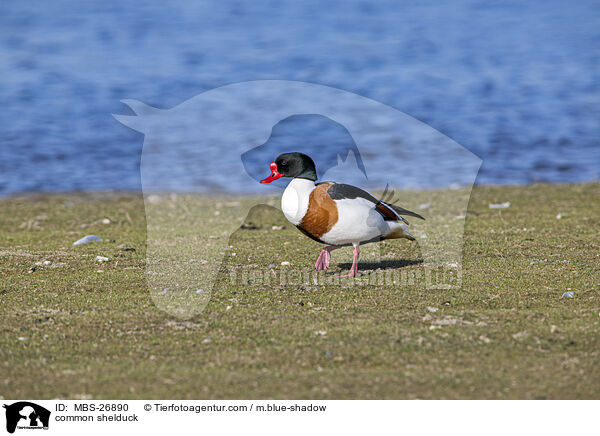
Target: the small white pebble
(229, 308)
(47, 262)
(199, 291)
(206, 341)
(105, 221)
(271, 265)
(22, 338)
(285, 263)
(424, 206)
(499, 205)
(432, 309)
(101, 259)
(559, 216)
(277, 228)
(100, 271)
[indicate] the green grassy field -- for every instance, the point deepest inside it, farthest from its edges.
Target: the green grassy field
(76, 328)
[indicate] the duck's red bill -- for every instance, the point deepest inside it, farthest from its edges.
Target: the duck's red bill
(274, 176)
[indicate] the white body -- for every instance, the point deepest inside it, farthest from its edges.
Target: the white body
(294, 201)
(358, 221)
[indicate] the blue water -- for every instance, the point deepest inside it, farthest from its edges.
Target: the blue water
(517, 83)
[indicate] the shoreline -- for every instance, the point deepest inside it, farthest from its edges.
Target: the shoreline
(135, 193)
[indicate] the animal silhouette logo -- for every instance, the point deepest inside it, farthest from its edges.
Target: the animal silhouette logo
(218, 143)
(26, 415)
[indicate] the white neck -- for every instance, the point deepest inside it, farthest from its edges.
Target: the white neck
(294, 201)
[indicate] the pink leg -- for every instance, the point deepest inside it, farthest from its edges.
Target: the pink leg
(324, 257)
(354, 270)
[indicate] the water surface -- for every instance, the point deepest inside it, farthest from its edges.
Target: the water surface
(517, 83)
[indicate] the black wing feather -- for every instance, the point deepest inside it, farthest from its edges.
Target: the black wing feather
(402, 211)
(341, 191)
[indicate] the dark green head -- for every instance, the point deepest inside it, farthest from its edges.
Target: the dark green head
(295, 165)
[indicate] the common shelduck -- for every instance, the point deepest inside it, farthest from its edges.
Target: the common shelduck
(335, 214)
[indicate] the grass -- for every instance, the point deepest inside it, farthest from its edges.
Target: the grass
(76, 328)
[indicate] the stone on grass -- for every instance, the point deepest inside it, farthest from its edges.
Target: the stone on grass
(499, 205)
(520, 335)
(87, 239)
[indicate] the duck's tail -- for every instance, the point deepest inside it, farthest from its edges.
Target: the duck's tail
(400, 230)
